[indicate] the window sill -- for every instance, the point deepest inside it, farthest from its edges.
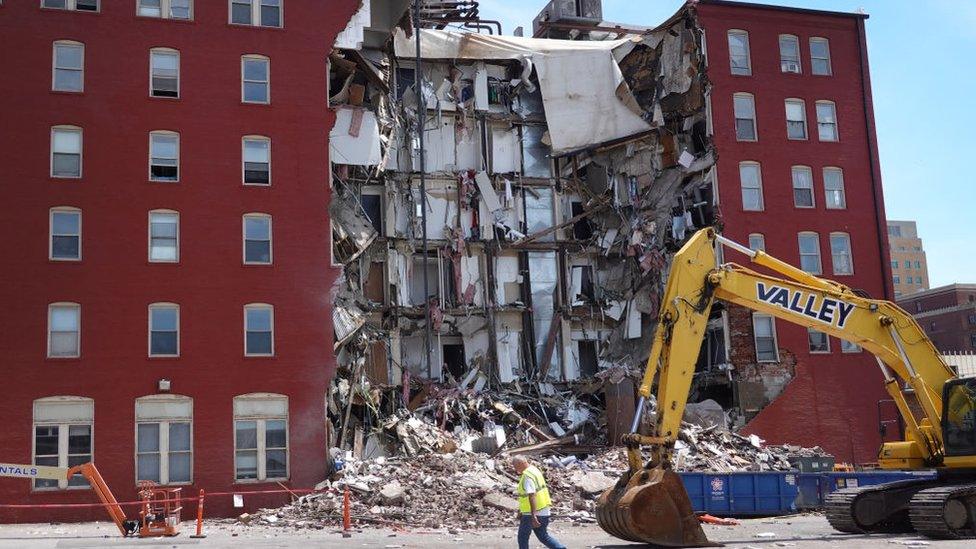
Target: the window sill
(254, 27)
(68, 92)
(258, 185)
(163, 358)
(164, 181)
(164, 98)
(259, 356)
(797, 138)
(58, 490)
(256, 103)
(246, 264)
(168, 19)
(63, 358)
(252, 482)
(68, 177)
(820, 352)
(174, 263)
(66, 10)
(64, 261)
(734, 75)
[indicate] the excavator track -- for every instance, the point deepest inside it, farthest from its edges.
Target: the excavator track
(880, 508)
(945, 512)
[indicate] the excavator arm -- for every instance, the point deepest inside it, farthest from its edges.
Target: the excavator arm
(649, 503)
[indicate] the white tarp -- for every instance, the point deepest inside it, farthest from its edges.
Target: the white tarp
(580, 81)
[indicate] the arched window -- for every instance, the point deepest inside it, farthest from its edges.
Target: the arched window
(256, 159)
(164, 72)
(68, 69)
(164, 439)
(257, 239)
(63, 330)
(63, 437)
(66, 151)
(64, 243)
(164, 156)
(164, 236)
(255, 79)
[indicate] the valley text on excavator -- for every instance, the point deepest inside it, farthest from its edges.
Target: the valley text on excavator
(159, 508)
(649, 502)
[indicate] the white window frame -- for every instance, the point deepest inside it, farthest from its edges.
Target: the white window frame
(267, 83)
(728, 41)
(762, 200)
(50, 315)
(256, 14)
(735, 117)
(55, 67)
(63, 425)
(835, 124)
(165, 133)
(257, 215)
(785, 65)
(167, 406)
(803, 110)
(149, 236)
(834, 253)
(849, 347)
(51, 235)
(72, 5)
(254, 138)
(165, 11)
(757, 238)
(755, 337)
(830, 68)
(794, 170)
(827, 192)
(260, 306)
(170, 52)
(81, 150)
(816, 235)
(261, 419)
(162, 305)
(810, 331)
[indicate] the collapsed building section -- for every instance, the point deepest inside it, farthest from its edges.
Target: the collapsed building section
(519, 253)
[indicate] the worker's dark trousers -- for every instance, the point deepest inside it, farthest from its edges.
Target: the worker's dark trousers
(525, 528)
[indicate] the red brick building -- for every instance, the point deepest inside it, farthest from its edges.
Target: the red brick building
(798, 175)
(947, 314)
(167, 309)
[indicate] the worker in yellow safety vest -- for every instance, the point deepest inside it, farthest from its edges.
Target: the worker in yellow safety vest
(534, 503)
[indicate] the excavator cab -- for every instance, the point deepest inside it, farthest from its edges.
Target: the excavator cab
(959, 416)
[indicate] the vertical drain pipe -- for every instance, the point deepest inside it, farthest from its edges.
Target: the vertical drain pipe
(422, 119)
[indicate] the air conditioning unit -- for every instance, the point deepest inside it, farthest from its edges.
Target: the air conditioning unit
(576, 12)
(790, 66)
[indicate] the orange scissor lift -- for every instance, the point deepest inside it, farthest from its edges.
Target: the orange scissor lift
(159, 509)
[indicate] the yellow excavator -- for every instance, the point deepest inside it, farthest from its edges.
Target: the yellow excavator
(650, 504)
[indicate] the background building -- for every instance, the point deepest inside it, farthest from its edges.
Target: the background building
(947, 314)
(166, 302)
(909, 270)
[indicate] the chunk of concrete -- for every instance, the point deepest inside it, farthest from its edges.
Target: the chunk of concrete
(500, 501)
(392, 494)
(593, 484)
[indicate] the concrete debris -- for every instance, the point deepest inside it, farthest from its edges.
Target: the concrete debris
(501, 502)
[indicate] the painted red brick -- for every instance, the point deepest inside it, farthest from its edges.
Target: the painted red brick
(114, 283)
(832, 400)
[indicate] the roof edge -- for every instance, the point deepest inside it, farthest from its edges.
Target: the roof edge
(773, 7)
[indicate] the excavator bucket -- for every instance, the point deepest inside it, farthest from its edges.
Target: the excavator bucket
(651, 506)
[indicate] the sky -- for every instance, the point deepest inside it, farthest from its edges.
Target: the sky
(923, 73)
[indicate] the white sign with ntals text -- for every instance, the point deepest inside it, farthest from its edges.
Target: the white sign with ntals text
(32, 471)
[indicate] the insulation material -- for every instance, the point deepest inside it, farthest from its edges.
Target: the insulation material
(442, 209)
(412, 353)
(488, 193)
(472, 287)
(467, 148)
(602, 97)
(505, 151)
(439, 145)
(351, 229)
(544, 276)
(507, 279)
(355, 140)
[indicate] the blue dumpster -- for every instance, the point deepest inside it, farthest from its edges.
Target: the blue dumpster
(814, 487)
(742, 493)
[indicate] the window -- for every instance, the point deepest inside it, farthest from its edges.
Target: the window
(796, 119)
(894, 264)
(789, 53)
(65, 229)
(167, 9)
(257, 239)
(897, 279)
(164, 329)
(739, 52)
(262, 13)
(257, 160)
(840, 252)
(908, 264)
(164, 72)
(164, 236)
(69, 66)
(255, 79)
(757, 242)
(258, 330)
(834, 195)
(745, 117)
(64, 330)
(164, 441)
(809, 244)
(75, 5)
(918, 264)
(911, 280)
(802, 187)
(63, 437)
(764, 329)
(918, 281)
(164, 156)
(826, 121)
(820, 56)
(894, 230)
(849, 347)
(972, 320)
(750, 179)
(819, 341)
(65, 151)
(972, 340)
(260, 437)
